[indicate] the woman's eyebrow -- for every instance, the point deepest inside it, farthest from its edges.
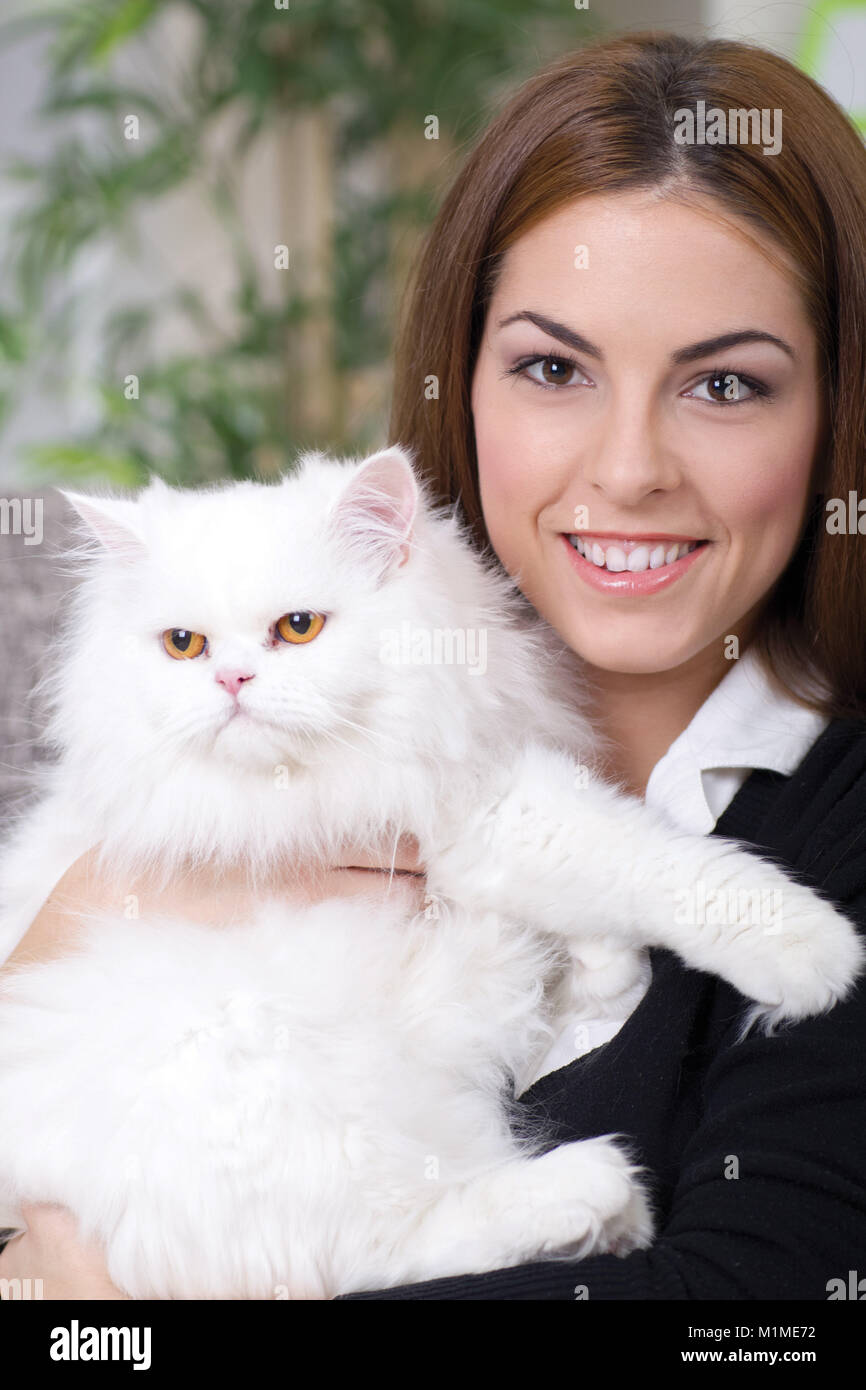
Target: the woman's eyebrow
(556, 330)
(687, 354)
(729, 340)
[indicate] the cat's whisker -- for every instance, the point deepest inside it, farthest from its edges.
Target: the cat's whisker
(338, 742)
(383, 745)
(392, 745)
(169, 740)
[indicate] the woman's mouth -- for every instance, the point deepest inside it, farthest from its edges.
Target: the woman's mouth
(631, 566)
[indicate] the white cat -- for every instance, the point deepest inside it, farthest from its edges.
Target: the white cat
(316, 1102)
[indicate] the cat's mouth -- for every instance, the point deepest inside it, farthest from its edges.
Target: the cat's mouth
(247, 716)
(238, 712)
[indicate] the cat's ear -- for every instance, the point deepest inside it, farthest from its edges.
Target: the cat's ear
(114, 521)
(377, 509)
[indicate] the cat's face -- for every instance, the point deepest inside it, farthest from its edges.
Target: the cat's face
(242, 623)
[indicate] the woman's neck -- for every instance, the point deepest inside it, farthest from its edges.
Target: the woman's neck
(642, 715)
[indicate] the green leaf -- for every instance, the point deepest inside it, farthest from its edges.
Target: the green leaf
(13, 338)
(82, 461)
(92, 29)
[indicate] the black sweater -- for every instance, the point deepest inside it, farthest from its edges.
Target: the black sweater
(787, 1113)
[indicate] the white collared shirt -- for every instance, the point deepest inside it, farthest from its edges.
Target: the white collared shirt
(745, 723)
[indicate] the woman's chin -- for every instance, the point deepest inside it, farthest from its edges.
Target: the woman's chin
(631, 653)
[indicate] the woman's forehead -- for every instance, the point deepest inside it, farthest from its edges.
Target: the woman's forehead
(621, 257)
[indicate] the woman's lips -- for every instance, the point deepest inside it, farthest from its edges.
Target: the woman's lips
(626, 582)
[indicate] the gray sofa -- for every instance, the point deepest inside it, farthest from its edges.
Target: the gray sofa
(32, 590)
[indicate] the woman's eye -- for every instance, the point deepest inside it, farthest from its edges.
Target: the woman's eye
(555, 371)
(726, 388)
(299, 627)
(180, 643)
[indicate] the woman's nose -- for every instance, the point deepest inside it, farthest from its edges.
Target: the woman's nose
(628, 457)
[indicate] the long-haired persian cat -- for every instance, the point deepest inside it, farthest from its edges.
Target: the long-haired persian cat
(317, 1100)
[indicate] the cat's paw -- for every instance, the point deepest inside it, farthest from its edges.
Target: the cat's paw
(801, 963)
(585, 1198)
(469, 870)
(604, 973)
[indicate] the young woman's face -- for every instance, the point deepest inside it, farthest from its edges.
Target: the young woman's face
(666, 393)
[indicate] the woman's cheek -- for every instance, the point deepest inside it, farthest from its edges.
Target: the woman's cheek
(762, 516)
(501, 509)
(508, 484)
(768, 501)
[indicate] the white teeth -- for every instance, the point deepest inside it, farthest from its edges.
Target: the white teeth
(615, 559)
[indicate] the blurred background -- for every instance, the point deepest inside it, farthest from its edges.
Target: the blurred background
(207, 207)
(207, 212)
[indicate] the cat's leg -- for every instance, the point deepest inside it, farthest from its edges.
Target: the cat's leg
(576, 1200)
(551, 845)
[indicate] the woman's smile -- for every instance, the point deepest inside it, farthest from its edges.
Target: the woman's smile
(631, 567)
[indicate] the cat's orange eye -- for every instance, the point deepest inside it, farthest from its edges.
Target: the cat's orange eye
(180, 643)
(299, 627)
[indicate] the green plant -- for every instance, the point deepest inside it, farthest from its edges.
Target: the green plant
(237, 406)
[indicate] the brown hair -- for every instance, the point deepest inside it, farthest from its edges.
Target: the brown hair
(601, 120)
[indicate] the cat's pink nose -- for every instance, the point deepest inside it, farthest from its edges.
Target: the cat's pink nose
(233, 680)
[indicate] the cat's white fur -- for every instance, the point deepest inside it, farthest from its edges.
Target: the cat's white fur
(316, 1101)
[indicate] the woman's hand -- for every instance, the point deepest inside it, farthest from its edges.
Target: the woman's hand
(204, 896)
(51, 1249)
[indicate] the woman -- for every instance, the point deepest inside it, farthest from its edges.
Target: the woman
(638, 365)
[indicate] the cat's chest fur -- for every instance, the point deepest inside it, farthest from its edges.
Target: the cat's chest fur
(331, 1066)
